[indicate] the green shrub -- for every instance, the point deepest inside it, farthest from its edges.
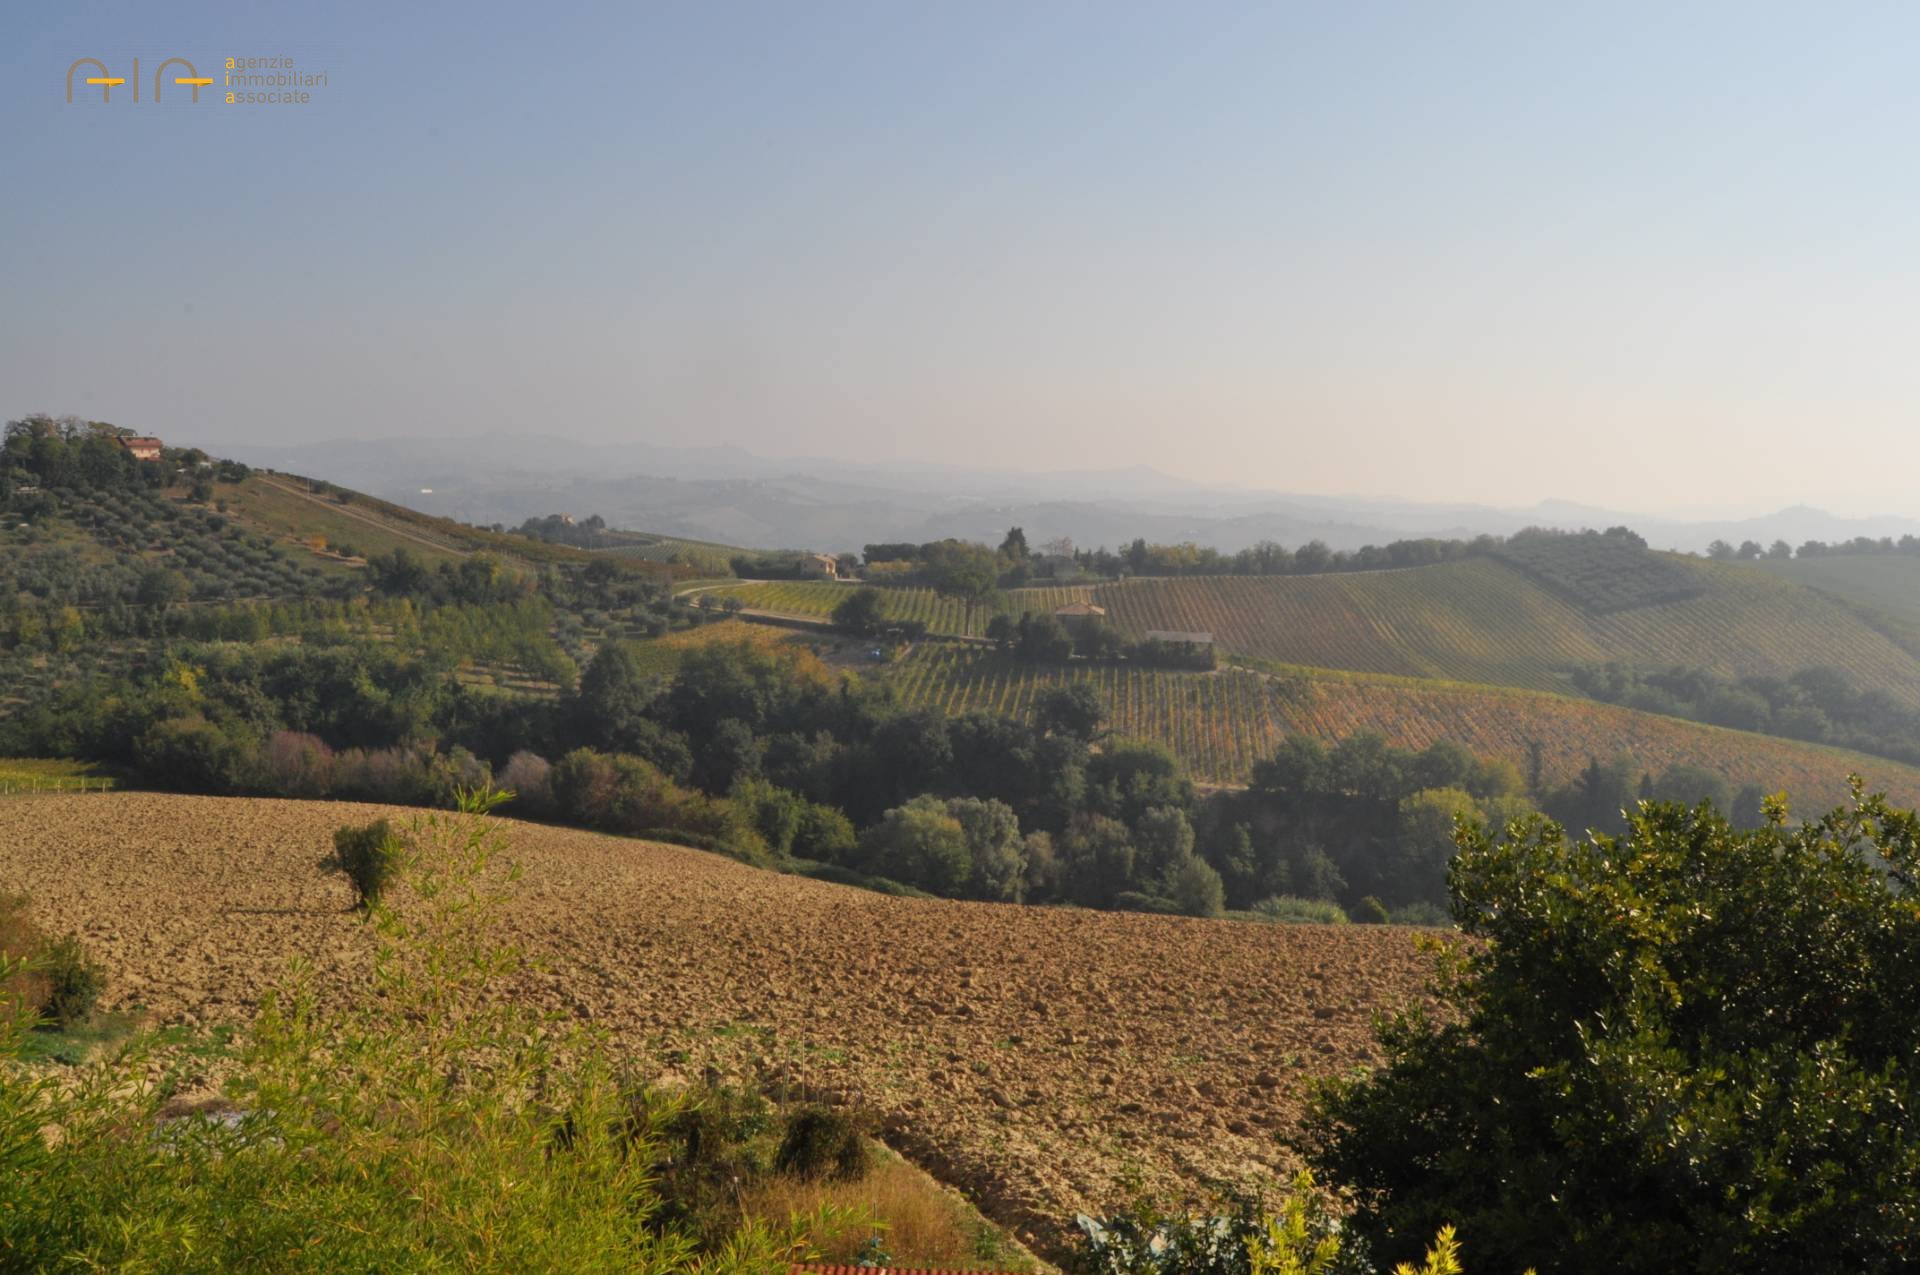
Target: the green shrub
(825, 835)
(1371, 911)
(74, 982)
(1150, 1238)
(772, 812)
(1690, 1047)
(191, 754)
(1139, 901)
(1292, 909)
(1240, 1235)
(714, 1143)
(1420, 912)
(822, 1143)
(1196, 886)
(370, 856)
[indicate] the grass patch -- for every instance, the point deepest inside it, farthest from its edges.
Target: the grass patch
(54, 774)
(917, 1221)
(837, 875)
(80, 1043)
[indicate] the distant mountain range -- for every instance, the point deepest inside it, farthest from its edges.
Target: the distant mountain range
(730, 495)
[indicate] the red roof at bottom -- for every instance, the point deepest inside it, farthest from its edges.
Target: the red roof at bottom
(819, 1268)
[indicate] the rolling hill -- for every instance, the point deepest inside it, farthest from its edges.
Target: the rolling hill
(1884, 586)
(1483, 620)
(1220, 724)
(1469, 650)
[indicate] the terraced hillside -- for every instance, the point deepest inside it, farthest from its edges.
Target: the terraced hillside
(1484, 621)
(1219, 724)
(1044, 1060)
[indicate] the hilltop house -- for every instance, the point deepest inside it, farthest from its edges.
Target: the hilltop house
(824, 565)
(142, 446)
(1077, 617)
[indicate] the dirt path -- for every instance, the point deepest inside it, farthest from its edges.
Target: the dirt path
(1033, 1057)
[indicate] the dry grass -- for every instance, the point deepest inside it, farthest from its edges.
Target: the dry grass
(920, 1223)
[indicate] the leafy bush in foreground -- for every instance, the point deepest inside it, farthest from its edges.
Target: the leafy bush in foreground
(428, 1124)
(1688, 1048)
(1242, 1237)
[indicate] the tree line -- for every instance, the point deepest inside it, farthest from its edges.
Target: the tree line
(771, 757)
(1818, 704)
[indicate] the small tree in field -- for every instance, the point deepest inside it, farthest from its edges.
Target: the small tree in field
(370, 857)
(1686, 1048)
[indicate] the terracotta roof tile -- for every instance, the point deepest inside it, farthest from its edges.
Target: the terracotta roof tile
(817, 1268)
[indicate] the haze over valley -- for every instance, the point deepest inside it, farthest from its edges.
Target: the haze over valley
(1072, 639)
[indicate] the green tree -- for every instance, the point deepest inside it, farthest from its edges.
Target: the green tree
(967, 572)
(860, 611)
(1689, 784)
(160, 588)
(824, 835)
(613, 709)
(1131, 776)
(1077, 711)
(1096, 860)
(921, 844)
(1685, 1048)
(190, 753)
(1163, 839)
(1042, 639)
(1425, 843)
(1197, 888)
(994, 845)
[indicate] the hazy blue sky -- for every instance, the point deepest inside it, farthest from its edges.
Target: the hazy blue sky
(1660, 255)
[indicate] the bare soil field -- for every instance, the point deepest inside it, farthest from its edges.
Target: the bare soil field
(1037, 1058)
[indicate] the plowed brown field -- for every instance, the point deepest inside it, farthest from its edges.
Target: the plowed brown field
(1034, 1057)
